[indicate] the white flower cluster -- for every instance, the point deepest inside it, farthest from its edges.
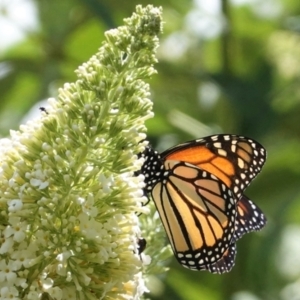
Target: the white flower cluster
(68, 188)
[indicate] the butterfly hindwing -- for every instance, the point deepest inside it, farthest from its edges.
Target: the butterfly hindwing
(225, 264)
(249, 218)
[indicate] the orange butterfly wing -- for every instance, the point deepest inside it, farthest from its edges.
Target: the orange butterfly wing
(198, 214)
(236, 160)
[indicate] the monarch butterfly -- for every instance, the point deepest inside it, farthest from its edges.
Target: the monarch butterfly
(198, 190)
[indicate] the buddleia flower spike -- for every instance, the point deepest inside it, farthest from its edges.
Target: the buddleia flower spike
(69, 195)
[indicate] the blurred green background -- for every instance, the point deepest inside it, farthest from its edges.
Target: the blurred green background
(224, 67)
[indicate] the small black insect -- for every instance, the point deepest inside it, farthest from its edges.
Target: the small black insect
(44, 110)
(142, 245)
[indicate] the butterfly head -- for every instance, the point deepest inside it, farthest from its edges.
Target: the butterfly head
(152, 167)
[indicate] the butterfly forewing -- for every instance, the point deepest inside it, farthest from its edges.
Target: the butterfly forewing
(198, 213)
(236, 160)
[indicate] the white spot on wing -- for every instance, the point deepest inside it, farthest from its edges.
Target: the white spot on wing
(241, 163)
(222, 152)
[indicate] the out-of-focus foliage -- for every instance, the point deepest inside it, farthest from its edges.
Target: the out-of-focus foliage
(224, 66)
